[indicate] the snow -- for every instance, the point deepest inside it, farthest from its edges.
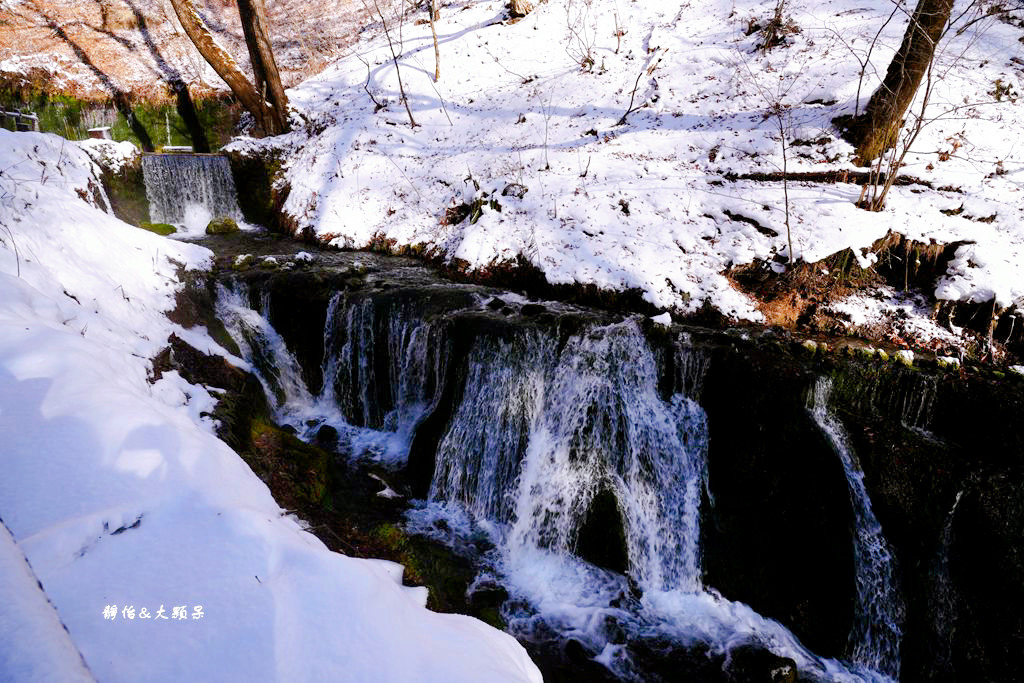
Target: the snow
(113, 156)
(663, 319)
(905, 318)
(515, 119)
(905, 356)
(1017, 369)
(118, 494)
(35, 643)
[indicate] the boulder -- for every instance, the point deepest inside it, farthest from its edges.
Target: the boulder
(222, 226)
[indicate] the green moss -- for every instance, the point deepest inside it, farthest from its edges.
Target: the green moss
(222, 226)
(263, 197)
(159, 228)
(243, 262)
(71, 117)
(126, 190)
(305, 469)
(426, 563)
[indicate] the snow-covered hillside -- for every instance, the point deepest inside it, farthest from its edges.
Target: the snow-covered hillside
(153, 543)
(526, 113)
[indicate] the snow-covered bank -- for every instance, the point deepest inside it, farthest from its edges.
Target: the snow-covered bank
(515, 119)
(129, 509)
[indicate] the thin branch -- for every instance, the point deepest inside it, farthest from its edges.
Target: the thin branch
(394, 57)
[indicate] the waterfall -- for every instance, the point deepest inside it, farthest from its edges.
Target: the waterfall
(186, 188)
(539, 433)
(602, 423)
(874, 640)
(942, 599)
(478, 459)
(544, 430)
(382, 368)
(918, 403)
(261, 345)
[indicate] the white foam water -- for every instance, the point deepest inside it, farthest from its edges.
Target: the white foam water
(177, 183)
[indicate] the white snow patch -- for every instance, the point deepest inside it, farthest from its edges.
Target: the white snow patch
(663, 319)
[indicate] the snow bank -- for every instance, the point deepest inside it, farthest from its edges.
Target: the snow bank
(515, 119)
(126, 505)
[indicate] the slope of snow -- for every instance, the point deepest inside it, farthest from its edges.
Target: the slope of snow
(35, 643)
(645, 204)
(123, 501)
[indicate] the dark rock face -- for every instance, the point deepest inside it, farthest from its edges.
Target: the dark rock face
(602, 538)
(262, 199)
(326, 437)
(987, 568)
(777, 531)
(922, 439)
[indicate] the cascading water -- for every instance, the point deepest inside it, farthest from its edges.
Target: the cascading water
(478, 459)
(264, 349)
(878, 620)
(380, 369)
(187, 188)
(602, 423)
(942, 599)
(540, 432)
(374, 405)
(545, 428)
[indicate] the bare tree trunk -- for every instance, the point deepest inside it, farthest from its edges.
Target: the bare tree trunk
(190, 116)
(261, 54)
(434, 16)
(877, 128)
(225, 65)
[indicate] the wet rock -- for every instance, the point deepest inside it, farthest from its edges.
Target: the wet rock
(221, 226)
(487, 594)
(601, 539)
(530, 310)
(496, 304)
(577, 652)
(777, 486)
(748, 663)
(987, 567)
(326, 437)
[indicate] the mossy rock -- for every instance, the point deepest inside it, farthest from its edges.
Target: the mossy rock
(446, 576)
(159, 228)
(243, 262)
(304, 471)
(222, 226)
